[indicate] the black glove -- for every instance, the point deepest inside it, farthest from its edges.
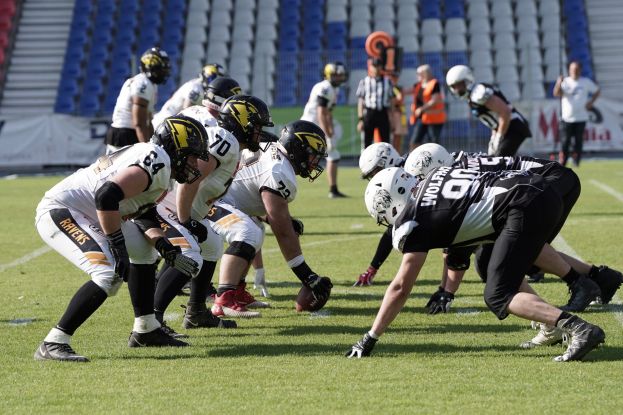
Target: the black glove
(321, 287)
(440, 301)
(197, 229)
(297, 224)
(173, 257)
(116, 244)
(362, 348)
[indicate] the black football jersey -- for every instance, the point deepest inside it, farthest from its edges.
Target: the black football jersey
(460, 207)
(484, 163)
(479, 94)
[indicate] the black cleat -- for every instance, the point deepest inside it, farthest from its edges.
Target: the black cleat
(583, 337)
(536, 277)
(609, 281)
(58, 351)
(155, 338)
(583, 291)
(168, 330)
(197, 316)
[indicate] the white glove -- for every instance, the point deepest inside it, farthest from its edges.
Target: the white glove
(494, 143)
(259, 282)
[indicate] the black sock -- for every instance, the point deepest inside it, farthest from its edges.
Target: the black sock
(82, 305)
(224, 288)
(383, 249)
(563, 316)
(199, 286)
(170, 283)
(592, 274)
(142, 285)
(571, 277)
(333, 189)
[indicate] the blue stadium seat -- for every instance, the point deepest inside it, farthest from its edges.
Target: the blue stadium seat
(335, 56)
(430, 9)
(71, 69)
(435, 60)
(410, 60)
(454, 8)
(336, 33)
(89, 105)
(456, 58)
(65, 104)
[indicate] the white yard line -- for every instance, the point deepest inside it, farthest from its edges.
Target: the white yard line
(608, 189)
(327, 241)
(19, 261)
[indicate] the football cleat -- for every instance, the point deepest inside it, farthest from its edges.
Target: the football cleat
(225, 305)
(197, 316)
(547, 336)
(58, 351)
(154, 338)
(583, 337)
(536, 277)
(609, 281)
(168, 330)
(246, 298)
(583, 291)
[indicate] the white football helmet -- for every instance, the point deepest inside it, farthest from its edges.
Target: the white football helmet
(387, 194)
(427, 157)
(376, 157)
(460, 73)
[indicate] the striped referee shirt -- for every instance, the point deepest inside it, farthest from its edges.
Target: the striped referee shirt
(376, 93)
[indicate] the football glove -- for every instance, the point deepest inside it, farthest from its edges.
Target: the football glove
(259, 283)
(172, 255)
(197, 228)
(366, 278)
(362, 348)
(116, 244)
(440, 301)
(321, 288)
(297, 224)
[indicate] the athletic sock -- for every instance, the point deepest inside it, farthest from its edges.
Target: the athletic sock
(169, 284)
(142, 285)
(571, 277)
(200, 285)
(82, 305)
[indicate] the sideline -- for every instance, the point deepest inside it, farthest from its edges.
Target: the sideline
(19, 261)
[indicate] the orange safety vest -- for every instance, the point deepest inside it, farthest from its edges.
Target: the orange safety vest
(435, 114)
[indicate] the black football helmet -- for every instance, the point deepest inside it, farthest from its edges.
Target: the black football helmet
(210, 72)
(306, 145)
(335, 72)
(181, 137)
(219, 90)
(245, 116)
(156, 65)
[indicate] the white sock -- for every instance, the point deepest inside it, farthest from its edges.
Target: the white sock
(145, 324)
(260, 278)
(373, 335)
(57, 336)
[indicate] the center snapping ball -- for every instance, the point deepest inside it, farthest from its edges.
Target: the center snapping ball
(305, 300)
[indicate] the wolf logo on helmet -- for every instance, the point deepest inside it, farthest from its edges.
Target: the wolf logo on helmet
(182, 137)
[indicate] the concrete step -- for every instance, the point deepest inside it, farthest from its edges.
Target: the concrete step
(33, 77)
(39, 84)
(28, 101)
(44, 45)
(36, 20)
(56, 60)
(29, 93)
(20, 111)
(61, 38)
(43, 28)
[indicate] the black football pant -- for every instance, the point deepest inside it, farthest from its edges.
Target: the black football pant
(517, 132)
(375, 119)
(572, 131)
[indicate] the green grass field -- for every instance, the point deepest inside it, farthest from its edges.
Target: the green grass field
(463, 362)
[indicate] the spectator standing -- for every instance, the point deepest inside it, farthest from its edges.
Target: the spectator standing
(375, 93)
(577, 94)
(428, 112)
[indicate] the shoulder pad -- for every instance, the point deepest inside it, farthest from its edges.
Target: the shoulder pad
(400, 234)
(480, 94)
(222, 144)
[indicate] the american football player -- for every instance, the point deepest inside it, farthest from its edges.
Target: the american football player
(322, 99)
(263, 187)
(225, 141)
(459, 207)
(190, 93)
(508, 127)
(98, 219)
(131, 118)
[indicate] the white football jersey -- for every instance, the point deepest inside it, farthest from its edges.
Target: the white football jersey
(269, 170)
(223, 146)
(322, 89)
(201, 114)
(191, 90)
(137, 86)
(78, 190)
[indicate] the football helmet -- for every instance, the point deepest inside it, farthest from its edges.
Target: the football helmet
(156, 65)
(306, 145)
(427, 157)
(387, 194)
(181, 137)
(244, 116)
(218, 90)
(335, 72)
(376, 157)
(209, 73)
(457, 74)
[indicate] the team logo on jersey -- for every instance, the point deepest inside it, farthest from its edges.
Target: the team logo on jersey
(314, 140)
(182, 130)
(241, 110)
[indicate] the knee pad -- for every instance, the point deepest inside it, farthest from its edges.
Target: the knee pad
(242, 250)
(139, 250)
(107, 281)
(212, 247)
(481, 261)
(497, 303)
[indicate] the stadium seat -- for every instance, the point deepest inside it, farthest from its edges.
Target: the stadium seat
(455, 26)
(483, 73)
(431, 27)
(431, 43)
(407, 28)
(455, 42)
(505, 57)
(481, 56)
(410, 43)
(456, 58)
(510, 91)
(480, 40)
(477, 9)
(501, 8)
(506, 73)
(479, 24)
(503, 24)
(386, 26)
(504, 41)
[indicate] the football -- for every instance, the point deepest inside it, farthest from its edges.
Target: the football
(305, 299)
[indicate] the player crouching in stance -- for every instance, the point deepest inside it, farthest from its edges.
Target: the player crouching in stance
(263, 186)
(88, 218)
(454, 207)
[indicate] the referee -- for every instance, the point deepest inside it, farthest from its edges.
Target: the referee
(375, 93)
